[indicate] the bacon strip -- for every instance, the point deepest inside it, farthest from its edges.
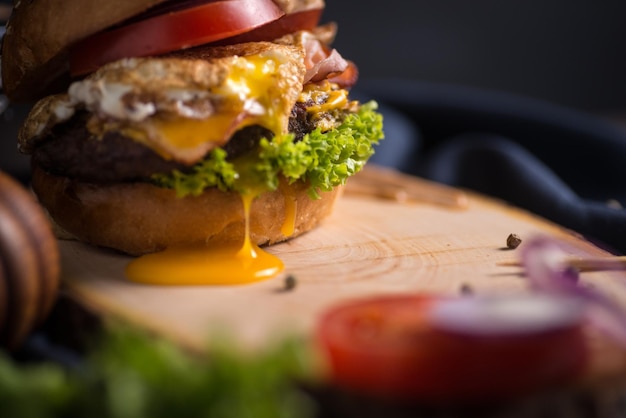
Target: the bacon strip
(348, 78)
(323, 63)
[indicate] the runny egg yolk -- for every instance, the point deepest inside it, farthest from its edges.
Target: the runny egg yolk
(249, 83)
(242, 262)
(199, 264)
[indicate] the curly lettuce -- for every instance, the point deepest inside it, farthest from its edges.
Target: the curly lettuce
(323, 159)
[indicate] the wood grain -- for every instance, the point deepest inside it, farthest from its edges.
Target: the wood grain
(368, 246)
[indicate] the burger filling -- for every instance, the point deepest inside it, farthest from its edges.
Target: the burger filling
(236, 117)
(71, 150)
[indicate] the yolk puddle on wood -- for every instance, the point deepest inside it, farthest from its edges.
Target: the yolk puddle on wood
(201, 264)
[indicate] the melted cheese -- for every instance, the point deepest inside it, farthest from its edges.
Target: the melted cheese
(325, 97)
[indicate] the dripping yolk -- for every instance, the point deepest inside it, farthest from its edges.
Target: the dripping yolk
(289, 225)
(199, 264)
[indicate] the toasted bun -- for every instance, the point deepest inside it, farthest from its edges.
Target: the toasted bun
(38, 35)
(139, 218)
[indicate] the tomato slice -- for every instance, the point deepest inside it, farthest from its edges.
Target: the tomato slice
(179, 29)
(289, 23)
(388, 347)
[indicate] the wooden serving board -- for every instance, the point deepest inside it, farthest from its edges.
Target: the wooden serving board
(368, 246)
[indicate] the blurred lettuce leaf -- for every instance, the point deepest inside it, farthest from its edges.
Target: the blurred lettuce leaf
(132, 375)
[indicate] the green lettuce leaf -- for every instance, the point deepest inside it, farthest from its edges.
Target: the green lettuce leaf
(324, 159)
(130, 374)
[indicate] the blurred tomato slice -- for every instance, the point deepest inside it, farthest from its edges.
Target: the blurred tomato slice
(388, 347)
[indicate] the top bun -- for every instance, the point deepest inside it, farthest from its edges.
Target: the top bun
(38, 34)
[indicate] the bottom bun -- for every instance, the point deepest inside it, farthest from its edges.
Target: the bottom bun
(139, 218)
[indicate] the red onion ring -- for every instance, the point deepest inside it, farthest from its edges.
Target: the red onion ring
(506, 315)
(545, 266)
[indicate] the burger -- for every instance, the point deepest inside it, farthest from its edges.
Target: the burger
(151, 119)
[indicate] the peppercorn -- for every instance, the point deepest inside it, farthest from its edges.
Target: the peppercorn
(513, 241)
(466, 289)
(290, 282)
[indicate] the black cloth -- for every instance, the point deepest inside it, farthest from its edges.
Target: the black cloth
(562, 164)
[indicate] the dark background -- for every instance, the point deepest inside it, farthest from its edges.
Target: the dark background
(556, 156)
(571, 53)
